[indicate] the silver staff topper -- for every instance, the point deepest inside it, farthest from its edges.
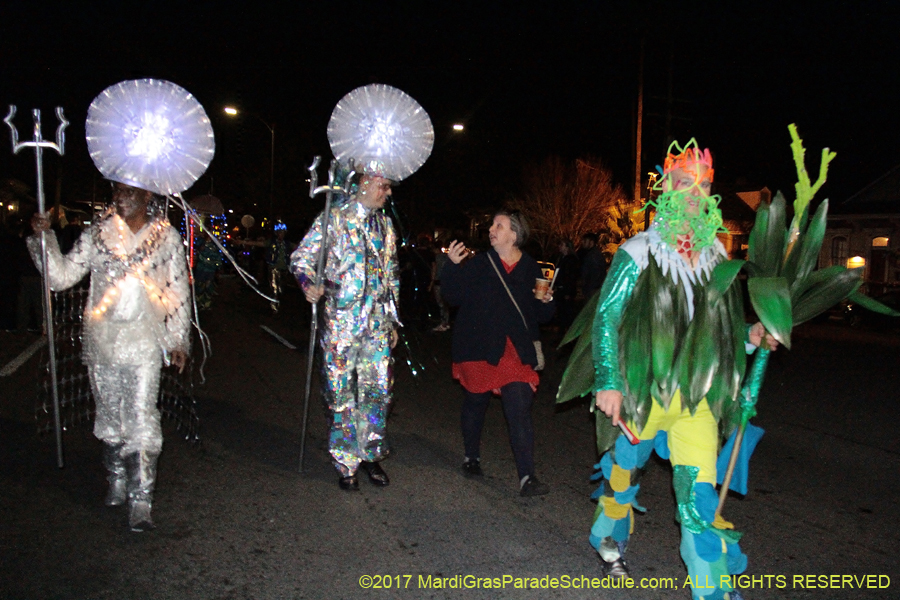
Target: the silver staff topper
(39, 144)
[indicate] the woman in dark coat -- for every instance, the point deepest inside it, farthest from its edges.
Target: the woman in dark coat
(493, 340)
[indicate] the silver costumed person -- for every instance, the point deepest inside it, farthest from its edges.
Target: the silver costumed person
(137, 317)
(359, 331)
(383, 135)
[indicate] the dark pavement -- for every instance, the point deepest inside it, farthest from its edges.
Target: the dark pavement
(236, 520)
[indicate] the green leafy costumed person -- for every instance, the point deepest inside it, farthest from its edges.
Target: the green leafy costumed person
(663, 347)
(668, 346)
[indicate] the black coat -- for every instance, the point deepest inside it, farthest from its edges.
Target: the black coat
(486, 315)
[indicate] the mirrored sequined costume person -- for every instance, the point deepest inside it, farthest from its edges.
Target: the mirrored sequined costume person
(669, 351)
(208, 260)
(277, 261)
(137, 317)
(361, 286)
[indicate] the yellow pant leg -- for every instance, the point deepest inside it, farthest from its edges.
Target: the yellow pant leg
(692, 439)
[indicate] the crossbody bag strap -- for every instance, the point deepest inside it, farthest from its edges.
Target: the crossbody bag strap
(503, 281)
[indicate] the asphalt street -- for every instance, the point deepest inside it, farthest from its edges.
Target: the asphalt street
(236, 520)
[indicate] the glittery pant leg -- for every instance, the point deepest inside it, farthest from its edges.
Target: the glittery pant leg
(126, 397)
(275, 284)
(359, 376)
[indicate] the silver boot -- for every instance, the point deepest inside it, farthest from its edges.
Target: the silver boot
(115, 467)
(141, 481)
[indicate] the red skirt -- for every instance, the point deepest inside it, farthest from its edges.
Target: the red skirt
(479, 376)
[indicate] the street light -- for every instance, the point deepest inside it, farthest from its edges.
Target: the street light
(458, 127)
(233, 112)
(651, 183)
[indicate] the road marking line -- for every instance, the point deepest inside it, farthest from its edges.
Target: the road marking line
(278, 337)
(21, 359)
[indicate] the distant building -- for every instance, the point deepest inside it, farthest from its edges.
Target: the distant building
(738, 215)
(864, 231)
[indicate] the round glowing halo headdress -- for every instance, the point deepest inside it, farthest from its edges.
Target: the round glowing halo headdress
(150, 134)
(383, 130)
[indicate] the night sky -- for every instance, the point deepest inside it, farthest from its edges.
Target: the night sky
(528, 80)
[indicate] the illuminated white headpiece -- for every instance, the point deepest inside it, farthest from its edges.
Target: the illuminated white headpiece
(150, 134)
(383, 130)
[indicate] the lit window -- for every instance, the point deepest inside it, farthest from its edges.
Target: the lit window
(880, 242)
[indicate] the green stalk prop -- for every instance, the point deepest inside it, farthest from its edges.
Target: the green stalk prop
(785, 287)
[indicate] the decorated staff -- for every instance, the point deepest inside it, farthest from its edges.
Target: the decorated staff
(39, 144)
(149, 138)
(663, 349)
(349, 256)
(329, 190)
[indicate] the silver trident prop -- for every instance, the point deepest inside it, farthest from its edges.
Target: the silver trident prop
(39, 144)
(329, 190)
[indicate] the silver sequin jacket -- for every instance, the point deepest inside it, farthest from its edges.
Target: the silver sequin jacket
(361, 280)
(138, 303)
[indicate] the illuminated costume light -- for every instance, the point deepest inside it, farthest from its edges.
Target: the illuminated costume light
(152, 135)
(383, 130)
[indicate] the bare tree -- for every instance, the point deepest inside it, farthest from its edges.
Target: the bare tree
(565, 200)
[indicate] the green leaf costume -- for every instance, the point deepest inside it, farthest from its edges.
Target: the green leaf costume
(658, 326)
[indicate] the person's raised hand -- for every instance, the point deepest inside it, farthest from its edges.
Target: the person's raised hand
(456, 252)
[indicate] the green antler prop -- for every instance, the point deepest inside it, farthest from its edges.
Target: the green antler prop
(805, 191)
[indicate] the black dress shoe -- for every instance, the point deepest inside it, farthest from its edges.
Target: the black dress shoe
(376, 473)
(351, 483)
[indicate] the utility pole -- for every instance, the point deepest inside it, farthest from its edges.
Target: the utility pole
(640, 119)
